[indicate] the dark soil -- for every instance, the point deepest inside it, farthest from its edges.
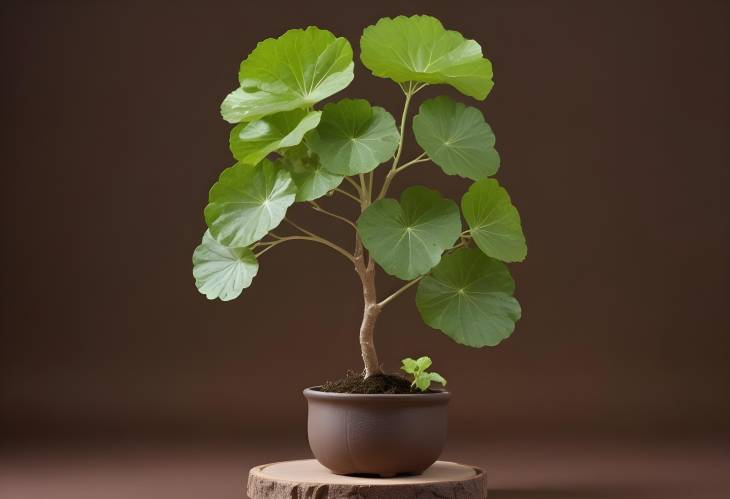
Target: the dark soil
(379, 383)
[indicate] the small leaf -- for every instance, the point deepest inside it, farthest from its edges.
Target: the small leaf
(468, 296)
(247, 202)
(409, 365)
(252, 142)
(423, 363)
(494, 222)
(353, 137)
(418, 48)
(407, 238)
(294, 71)
(220, 271)
(456, 138)
(422, 381)
(437, 378)
(312, 180)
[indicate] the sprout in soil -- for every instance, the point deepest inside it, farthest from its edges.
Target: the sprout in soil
(421, 379)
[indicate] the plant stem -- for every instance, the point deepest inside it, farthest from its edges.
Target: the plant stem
(356, 199)
(306, 238)
(319, 239)
(393, 169)
(370, 313)
(353, 183)
(365, 196)
(316, 207)
(421, 158)
(390, 298)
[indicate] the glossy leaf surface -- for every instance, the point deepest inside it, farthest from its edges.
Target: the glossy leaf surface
(247, 202)
(493, 221)
(220, 271)
(420, 49)
(468, 296)
(252, 142)
(407, 238)
(296, 70)
(354, 137)
(456, 138)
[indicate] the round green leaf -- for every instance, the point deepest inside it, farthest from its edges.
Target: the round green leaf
(220, 271)
(456, 138)
(312, 180)
(296, 70)
(252, 142)
(247, 202)
(353, 137)
(468, 296)
(494, 221)
(407, 238)
(418, 48)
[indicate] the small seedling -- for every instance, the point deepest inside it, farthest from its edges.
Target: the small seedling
(421, 379)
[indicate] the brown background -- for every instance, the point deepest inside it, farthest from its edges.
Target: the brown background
(612, 120)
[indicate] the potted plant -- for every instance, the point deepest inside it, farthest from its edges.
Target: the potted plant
(289, 148)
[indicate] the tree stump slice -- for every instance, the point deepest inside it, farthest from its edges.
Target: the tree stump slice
(307, 479)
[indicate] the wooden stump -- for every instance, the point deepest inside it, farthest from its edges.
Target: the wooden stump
(307, 479)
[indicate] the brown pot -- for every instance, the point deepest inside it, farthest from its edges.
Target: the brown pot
(383, 435)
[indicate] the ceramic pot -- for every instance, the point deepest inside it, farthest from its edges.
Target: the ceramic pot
(383, 435)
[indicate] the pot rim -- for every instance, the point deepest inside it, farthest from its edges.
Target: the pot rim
(437, 395)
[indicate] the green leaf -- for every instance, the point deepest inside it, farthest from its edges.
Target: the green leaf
(252, 142)
(418, 48)
(422, 381)
(423, 363)
(407, 238)
(494, 221)
(468, 296)
(409, 365)
(312, 180)
(296, 70)
(247, 202)
(437, 378)
(456, 138)
(353, 137)
(220, 271)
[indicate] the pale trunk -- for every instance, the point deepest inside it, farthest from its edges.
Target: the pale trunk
(370, 312)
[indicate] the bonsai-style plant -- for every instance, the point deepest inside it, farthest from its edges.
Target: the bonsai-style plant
(290, 148)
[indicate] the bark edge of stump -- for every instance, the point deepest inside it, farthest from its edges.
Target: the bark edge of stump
(308, 479)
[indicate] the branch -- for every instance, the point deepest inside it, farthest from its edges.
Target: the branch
(387, 300)
(316, 207)
(356, 199)
(364, 193)
(354, 184)
(421, 158)
(307, 238)
(393, 169)
(320, 239)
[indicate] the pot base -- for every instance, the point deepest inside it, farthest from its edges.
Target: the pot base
(308, 478)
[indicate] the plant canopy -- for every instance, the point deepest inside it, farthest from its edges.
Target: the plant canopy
(290, 148)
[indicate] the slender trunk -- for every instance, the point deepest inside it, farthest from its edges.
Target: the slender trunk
(370, 312)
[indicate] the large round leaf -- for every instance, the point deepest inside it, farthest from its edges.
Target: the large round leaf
(468, 296)
(247, 202)
(407, 238)
(220, 271)
(353, 137)
(296, 70)
(312, 180)
(494, 221)
(418, 48)
(252, 142)
(456, 138)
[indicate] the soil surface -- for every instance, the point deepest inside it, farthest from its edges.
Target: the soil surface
(379, 383)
